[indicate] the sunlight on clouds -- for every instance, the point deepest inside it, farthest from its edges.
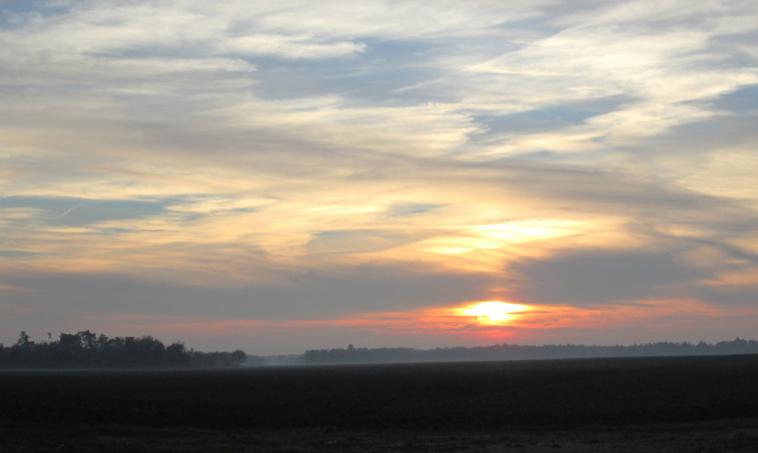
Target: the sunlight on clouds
(394, 19)
(488, 248)
(290, 46)
(727, 173)
(539, 324)
(224, 144)
(656, 70)
(493, 313)
(530, 230)
(423, 130)
(175, 66)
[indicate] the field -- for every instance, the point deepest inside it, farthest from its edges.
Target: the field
(650, 404)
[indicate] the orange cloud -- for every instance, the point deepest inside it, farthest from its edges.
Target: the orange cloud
(488, 321)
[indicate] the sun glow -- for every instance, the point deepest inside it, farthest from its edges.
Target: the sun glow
(493, 312)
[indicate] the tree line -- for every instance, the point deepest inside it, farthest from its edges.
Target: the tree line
(87, 349)
(525, 352)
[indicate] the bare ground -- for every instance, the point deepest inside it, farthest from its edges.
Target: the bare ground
(721, 436)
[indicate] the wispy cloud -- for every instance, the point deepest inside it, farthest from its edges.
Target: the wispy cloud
(191, 149)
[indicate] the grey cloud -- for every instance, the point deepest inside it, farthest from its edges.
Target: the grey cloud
(590, 277)
(728, 295)
(666, 269)
(696, 138)
(295, 295)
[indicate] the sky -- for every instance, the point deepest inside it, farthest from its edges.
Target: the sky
(284, 175)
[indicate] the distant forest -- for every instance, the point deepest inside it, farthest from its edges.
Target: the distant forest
(86, 349)
(89, 350)
(516, 352)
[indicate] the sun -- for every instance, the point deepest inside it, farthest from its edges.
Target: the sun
(493, 312)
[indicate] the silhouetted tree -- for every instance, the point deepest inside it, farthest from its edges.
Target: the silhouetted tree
(86, 349)
(23, 340)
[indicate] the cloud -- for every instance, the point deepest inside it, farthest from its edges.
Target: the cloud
(66, 211)
(408, 154)
(285, 295)
(587, 277)
(294, 47)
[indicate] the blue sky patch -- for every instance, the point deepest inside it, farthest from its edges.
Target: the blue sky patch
(741, 100)
(71, 212)
(408, 209)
